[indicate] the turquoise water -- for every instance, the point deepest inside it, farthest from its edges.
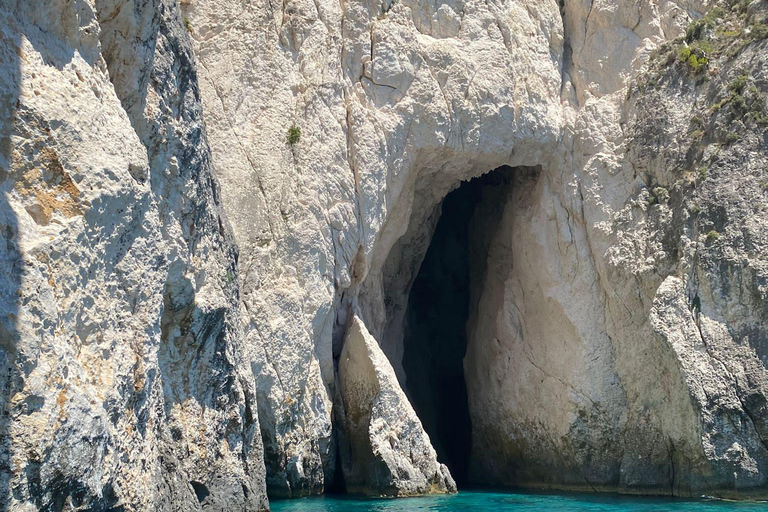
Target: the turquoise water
(517, 502)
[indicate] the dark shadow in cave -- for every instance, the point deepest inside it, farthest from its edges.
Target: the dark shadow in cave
(435, 334)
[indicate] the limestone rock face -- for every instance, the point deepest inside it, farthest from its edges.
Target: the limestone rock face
(617, 331)
(397, 103)
(630, 297)
(573, 379)
(388, 451)
(120, 342)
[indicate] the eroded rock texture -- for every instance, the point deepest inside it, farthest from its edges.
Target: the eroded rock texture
(384, 447)
(572, 379)
(122, 386)
(616, 331)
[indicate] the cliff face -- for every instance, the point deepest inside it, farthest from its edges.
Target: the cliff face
(616, 296)
(625, 287)
(396, 105)
(120, 347)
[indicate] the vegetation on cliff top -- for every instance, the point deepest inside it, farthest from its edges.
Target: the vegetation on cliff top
(709, 74)
(723, 32)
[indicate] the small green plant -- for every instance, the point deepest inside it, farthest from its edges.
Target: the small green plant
(703, 173)
(759, 118)
(661, 194)
(698, 64)
(703, 47)
(758, 31)
(745, 100)
(739, 5)
(698, 27)
(695, 58)
(188, 24)
(728, 34)
(715, 13)
(712, 236)
(731, 137)
(697, 134)
(294, 135)
(720, 104)
(739, 84)
(695, 30)
(738, 102)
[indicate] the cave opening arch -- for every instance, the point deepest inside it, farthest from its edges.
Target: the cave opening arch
(445, 286)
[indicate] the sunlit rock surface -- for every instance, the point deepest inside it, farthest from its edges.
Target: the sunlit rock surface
(617, 335)
(123, 384)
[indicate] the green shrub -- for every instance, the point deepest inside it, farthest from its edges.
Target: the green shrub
(739, 5)
(758, 31)
(759, 118)
(738, 102)
(695, 57)
(703, 172)
(703, 47)
(728, 34)
(696, 29)
(712, 236)
(715, 13)
(739, 83)
(731, 137)
(720, 104)
(661, 194)
(294, 135)
(700, 64)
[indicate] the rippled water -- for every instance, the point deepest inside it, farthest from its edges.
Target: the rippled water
(518, 502)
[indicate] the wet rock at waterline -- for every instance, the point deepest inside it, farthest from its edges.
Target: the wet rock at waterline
(196, 307)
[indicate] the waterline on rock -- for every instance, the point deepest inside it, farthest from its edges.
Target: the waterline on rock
(515, 501)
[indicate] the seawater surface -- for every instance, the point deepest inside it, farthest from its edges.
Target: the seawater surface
(514, 501)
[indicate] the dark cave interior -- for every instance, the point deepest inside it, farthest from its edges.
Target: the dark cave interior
(435, 335)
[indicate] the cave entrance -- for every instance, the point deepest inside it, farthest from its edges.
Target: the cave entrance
(446, 288)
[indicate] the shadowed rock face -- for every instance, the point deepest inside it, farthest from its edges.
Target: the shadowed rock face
(616, 317)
